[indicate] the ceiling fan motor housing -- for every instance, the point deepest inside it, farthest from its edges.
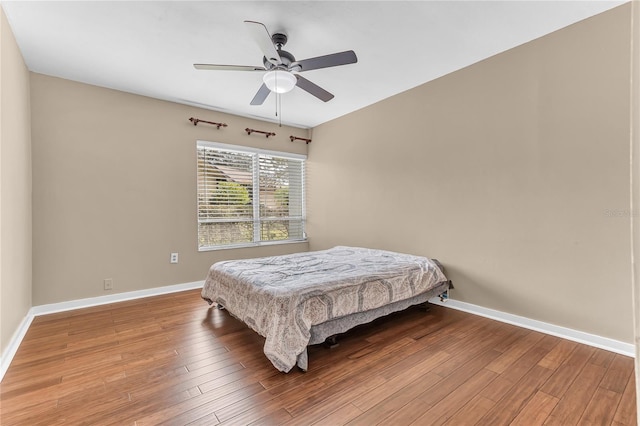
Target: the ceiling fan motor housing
(279, 40)
(285, 57)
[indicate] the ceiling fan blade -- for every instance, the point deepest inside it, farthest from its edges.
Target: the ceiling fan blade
(333, 60)
(262, 94)
(314, 89)
(215, 67)
(261, 35)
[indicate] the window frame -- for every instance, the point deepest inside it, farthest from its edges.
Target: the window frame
(257, 220)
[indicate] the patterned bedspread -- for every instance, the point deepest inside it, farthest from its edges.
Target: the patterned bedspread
(281, 297)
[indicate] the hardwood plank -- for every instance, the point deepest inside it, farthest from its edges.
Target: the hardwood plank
(413, 322)
(568, 370)
(536, 411)
(386, 408)
(602, 358)
(341, 416)
(208, 420)
(170, 397)
(602, 407)
(347, 384)
(29, 414)
(516, 333)
(276, 418)
(505, 383)
(472, 411)
(558, 355)
(447, 407)
(508, 408)
(250, 409)
(316, 411)
(13, 388)
(397, 383)
(512, 354)
(577, 397)
(409, 356)
(497, 389)
(626, 413)
(197, 407)
(242, 414)
(171, 359)
(351, 373)
(617, 376)
(434, 394)
(528, 361)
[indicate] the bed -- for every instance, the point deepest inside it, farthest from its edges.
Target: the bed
(302, 299)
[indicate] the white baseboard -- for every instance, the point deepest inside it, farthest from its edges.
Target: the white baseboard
(16, 339)
(605, 343)
(14, 344)
(112, 298)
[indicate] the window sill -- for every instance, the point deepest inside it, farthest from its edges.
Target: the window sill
(252, 245)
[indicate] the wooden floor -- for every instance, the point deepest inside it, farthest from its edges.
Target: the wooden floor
(170, 359)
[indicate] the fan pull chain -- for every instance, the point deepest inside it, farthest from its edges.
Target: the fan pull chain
(280, 108)
(277, 94)
(278, 103)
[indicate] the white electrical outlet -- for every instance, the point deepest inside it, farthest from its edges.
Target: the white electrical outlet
(174, 258)
(108, 284)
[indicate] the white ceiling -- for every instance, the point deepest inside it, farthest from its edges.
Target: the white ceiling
(149, 47)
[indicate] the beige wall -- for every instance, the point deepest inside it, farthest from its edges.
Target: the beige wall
(635, 184)
(514, 172)
(114, 181)
(15, 187)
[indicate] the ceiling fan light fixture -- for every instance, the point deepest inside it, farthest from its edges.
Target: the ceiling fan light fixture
(279, 81)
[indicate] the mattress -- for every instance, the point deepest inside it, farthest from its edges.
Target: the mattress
(283, 297)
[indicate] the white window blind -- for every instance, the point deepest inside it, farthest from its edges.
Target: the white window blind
(248, 196)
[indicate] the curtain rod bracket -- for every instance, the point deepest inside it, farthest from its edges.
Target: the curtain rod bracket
(296, 138)
(195, 122)
(267, 134)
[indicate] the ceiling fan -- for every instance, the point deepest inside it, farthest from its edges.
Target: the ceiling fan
(281, 67)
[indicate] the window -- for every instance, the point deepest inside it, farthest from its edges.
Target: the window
(248, 196)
